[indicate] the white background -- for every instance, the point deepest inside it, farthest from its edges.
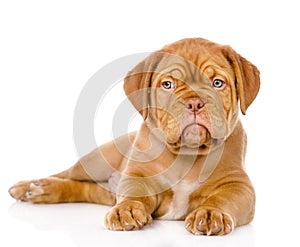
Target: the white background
(48, 51)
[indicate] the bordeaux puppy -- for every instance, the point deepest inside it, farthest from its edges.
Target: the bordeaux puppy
(187, 160)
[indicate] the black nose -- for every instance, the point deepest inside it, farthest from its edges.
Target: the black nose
(194, 104)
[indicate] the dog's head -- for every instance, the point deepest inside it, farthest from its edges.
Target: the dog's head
(190, 90)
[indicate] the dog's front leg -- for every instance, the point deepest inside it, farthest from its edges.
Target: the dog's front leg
(230, 205)
(136, 201)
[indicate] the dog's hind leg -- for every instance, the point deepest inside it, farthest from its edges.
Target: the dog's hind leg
(55, 190)
(86, 181)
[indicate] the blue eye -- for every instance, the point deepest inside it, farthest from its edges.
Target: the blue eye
(217, 83)
(168, 85)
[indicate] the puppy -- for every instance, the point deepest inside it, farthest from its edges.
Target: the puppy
(187, 160)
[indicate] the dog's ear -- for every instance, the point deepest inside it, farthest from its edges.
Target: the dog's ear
(246, 76)
(137, 83)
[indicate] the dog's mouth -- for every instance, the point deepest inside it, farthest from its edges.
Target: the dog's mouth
(193, 136)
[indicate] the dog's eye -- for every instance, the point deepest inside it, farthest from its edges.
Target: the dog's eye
(217, 83)
(168, 85)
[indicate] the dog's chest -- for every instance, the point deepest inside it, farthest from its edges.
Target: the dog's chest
(179, 204)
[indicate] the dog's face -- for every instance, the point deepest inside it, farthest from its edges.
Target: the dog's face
(190, 91)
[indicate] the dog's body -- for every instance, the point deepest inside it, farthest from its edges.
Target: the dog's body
(187, 159)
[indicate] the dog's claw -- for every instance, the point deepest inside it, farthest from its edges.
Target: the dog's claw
(128, 227)
(201, 226)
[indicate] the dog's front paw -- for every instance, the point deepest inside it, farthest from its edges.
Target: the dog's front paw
(127, 216)
(209, 221)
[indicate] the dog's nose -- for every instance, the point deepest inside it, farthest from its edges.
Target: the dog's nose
(194, 104)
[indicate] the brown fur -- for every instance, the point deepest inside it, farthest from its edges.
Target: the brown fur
(171, 169)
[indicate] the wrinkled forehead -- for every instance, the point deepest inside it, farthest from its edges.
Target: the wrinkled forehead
(201, 69)
(179, 68)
